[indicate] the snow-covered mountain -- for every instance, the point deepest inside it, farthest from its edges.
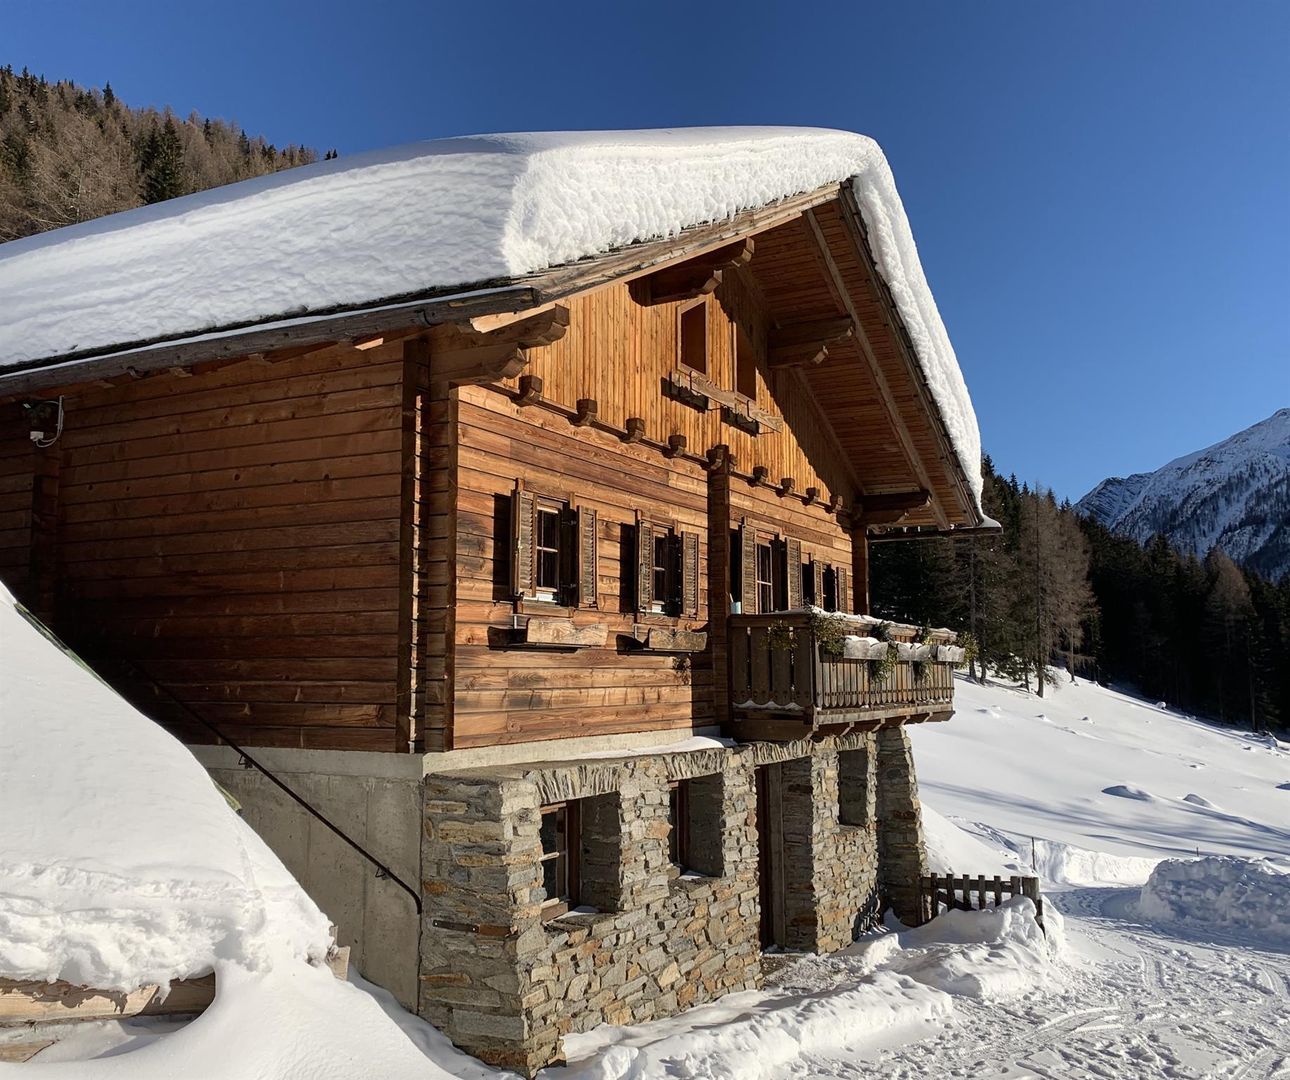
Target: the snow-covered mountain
(1234, 495)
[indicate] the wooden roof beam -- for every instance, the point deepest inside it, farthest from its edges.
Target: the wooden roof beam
(853, 222)
(460, 354)
(891, 507)
(843, 296)
(807, 343)
(695, 277)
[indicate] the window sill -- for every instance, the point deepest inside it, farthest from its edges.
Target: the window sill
(669, 638)
(689, 880)
(549, 632)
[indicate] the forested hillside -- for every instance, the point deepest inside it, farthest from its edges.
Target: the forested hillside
(69, 154)
(1057, 589)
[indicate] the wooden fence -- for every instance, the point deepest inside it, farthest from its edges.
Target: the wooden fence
(959, 892)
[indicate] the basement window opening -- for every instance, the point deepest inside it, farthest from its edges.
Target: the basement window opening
(560, 837)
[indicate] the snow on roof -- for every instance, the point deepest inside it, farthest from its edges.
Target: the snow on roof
(439, 215)
(121, 864)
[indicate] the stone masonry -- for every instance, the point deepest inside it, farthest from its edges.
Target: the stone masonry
(506, 985)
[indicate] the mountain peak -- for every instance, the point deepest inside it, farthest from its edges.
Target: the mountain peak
(1234, 495)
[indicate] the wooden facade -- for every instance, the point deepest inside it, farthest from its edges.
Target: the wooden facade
(532, 520)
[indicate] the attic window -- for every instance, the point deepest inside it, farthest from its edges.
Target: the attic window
(694, 337)
(745, 366)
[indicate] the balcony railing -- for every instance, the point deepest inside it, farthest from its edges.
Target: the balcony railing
(796, 666)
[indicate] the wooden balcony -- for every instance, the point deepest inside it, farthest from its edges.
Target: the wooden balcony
(784, 683)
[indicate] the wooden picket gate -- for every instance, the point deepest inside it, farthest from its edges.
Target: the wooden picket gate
(958, 893)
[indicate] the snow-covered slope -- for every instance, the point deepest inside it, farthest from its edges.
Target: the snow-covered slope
(1105, 783)
(443, 215)
(121, 865)
(1234, 495)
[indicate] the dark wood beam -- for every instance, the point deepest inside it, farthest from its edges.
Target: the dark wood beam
(807, 343)
(695, 277)
(888, 508)
(460, 354)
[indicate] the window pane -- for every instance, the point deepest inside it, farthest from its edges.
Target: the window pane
(550, 879)
(548, 576)
(694, 338)
(674, 819)
(548, 529)
(552, 833)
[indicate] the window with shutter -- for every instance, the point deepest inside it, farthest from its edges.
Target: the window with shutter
(644, 565)
(793, 572)
(817, 583)
(844, 594)
(748, 567)
(690, 574)
(524, 530)
(588, 568)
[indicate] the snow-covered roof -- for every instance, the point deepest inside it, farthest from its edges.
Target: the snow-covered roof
(443, 215)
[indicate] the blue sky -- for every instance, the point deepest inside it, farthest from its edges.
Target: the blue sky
(1100, 191)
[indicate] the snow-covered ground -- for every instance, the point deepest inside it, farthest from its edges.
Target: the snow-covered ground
(1188, 978)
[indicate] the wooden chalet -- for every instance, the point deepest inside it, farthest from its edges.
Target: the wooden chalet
(522, 585)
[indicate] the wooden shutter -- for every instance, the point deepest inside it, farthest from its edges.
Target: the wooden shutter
(844, 597)
(793, 556)
(644, 565)
(817, 578)
(587, 565)
(690, 574)
(748, 567)
(523, 539)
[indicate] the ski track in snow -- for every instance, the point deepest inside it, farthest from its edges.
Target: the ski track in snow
(1142, 1005)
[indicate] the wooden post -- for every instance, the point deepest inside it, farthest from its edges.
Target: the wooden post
(860, 569)
(719, 556)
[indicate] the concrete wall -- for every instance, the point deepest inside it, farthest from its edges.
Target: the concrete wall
(376, 799)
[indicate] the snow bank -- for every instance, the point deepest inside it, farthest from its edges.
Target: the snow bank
(991, 955)
(441, 215)
(839, 1005)
(752, 1036)
(1246, 895)
(121, 864)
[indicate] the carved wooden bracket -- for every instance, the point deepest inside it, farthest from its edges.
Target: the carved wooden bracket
(675, 445)
(694, 277)
(892, 507)
(635, 429)
(460, 354)
(760, 476)
(587, 410)
(530, 390)
(812, 496)
(786, 486)
(805, 343)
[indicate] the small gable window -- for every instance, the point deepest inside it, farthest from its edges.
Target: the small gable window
(694, 336)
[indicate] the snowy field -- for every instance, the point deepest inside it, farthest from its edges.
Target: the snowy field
(1189, 977)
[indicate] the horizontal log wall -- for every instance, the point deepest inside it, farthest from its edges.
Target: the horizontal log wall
(237, 535)
(514, 694)
(17, 477)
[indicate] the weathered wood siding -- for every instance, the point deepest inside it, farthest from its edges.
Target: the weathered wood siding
(620, 352)
(516, 694)
(17, 474)
(236, 534)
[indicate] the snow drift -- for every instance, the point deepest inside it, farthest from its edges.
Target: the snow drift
(121, 864)
(443, 215)
(1248, 896)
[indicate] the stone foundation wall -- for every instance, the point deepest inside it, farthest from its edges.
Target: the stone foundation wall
(507, 985)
